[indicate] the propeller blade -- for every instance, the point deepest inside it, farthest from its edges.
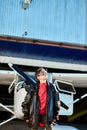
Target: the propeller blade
(22, 74)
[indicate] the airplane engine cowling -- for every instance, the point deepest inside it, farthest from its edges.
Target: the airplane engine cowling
(19, 96)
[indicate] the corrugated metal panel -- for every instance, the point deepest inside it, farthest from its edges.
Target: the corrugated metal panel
(53, 20)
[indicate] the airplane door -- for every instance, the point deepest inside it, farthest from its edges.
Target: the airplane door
(66, 92)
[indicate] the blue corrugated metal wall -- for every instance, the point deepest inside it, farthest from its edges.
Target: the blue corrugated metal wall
(53, 20)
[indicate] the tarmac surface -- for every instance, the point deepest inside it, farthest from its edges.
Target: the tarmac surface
(21, 125)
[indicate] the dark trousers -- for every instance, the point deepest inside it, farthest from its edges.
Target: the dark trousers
(43, 119)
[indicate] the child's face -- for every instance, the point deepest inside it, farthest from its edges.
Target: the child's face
(43, 75)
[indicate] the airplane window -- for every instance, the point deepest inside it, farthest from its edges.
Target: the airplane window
(65, 86)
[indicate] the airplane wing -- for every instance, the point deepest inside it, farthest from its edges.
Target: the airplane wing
(35, 53)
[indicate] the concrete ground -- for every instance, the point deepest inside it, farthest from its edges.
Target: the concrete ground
(21, 125)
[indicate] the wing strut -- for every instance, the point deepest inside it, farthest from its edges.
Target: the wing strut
(6, 108)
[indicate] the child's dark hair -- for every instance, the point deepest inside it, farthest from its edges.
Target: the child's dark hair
(38, 71)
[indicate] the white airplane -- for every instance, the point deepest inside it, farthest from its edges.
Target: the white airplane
(61, 81)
